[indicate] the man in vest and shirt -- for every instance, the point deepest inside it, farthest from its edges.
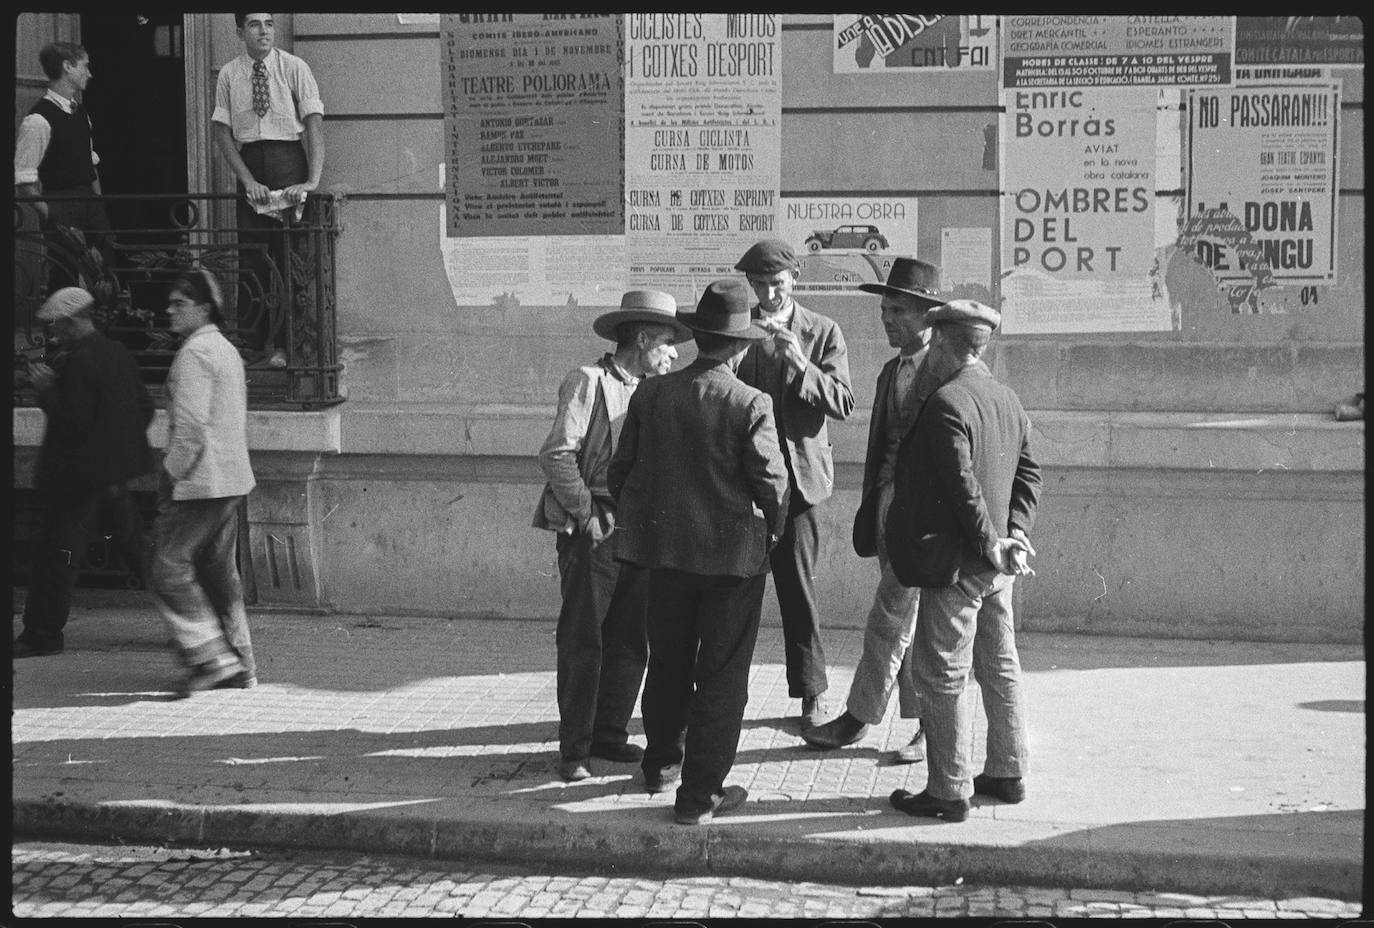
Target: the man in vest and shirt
(911, 290)
(804, 367)
(268, 123)
(600, 640)
(53, 154)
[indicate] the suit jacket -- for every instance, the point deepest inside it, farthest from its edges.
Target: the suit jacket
(801, 402)
(698, 477)
(98, 411)
(207, 410)
(866, 528)
(966, 470)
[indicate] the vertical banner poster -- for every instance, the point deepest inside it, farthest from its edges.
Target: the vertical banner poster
(1078, 226)
(913, 41)
(533, 123)
(1107, 51)
(842, 242)
(1262, 188)
(532, 118)
(703, 102)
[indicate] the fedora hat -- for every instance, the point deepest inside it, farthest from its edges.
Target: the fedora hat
(965, 312)
(911, 277)
(642, 306)
(724, 310)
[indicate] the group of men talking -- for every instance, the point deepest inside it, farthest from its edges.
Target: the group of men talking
(674, 494)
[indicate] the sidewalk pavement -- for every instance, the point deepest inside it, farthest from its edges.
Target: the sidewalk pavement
(1171, 766)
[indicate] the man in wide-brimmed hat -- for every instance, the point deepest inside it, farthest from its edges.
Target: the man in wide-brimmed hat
(967, 487)
(702, 493)
(912, 288)
(804, 367)
(601, 638)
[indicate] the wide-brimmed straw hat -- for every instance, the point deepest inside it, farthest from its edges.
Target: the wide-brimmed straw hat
(642, 306)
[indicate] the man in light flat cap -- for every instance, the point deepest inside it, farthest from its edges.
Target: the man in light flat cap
(911, 290)
(702, 492)
(966, 492)
(600, 639)
(95, 443)
(804, 367)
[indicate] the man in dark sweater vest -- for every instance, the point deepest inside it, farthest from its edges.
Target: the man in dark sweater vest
(53, 156)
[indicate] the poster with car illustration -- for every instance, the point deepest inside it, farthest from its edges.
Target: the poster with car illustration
(842, 242)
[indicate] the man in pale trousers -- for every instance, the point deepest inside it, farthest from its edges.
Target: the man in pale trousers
(910, 291)
(205, 477)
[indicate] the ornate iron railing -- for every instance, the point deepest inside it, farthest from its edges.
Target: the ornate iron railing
(282, 285)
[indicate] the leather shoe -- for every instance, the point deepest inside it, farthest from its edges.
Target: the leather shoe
(924, 804)
(1008, 789)
(23, 647)
(662, 782)
(842, 730)
(206, 676)
(914, 752)
(814, 711)
(731, 799)
(242, 680)
(623, 753)
(573, 770)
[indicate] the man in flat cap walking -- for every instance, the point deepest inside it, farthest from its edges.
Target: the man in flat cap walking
(600, 639)
(702, 495)
(95, 443)
(804, 367)
(965, 499)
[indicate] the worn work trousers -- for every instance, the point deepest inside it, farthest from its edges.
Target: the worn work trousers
(72, 515)
(963, 627)
(602, 644)
(195, 578)
(702, 631)
(891, 625)
(793, 564)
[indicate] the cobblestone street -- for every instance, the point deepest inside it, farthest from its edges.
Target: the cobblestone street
(95, 881)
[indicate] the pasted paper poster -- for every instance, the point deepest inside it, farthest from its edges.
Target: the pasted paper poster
(867, 42)
(1262, 187)
(1078, 227)
(703, 102)
(532, 122)
(842, 242)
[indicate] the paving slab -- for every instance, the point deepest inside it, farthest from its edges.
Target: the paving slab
(1157, 765)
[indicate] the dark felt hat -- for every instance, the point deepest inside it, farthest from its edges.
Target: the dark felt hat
(911, 277)
(768, 257)
(967, 312)
(642, 306)
(724, 310)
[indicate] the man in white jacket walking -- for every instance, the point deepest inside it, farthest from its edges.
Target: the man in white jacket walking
(205, 476)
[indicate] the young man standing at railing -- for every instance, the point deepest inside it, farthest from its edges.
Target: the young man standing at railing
(269, 126)
(53, 156)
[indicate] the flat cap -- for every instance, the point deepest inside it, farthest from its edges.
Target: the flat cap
(968, 312)
(65, 303)
(768, 257)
